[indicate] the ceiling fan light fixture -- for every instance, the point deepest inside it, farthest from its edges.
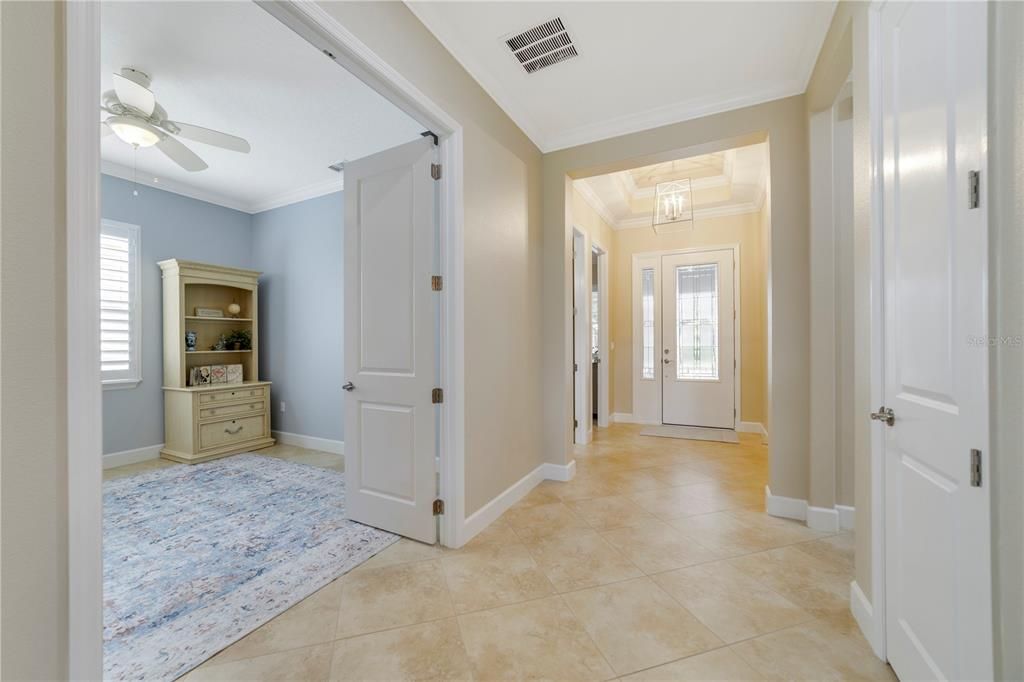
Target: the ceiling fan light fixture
(135, 133)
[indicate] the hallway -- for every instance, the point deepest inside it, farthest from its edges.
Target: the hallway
(655, 562)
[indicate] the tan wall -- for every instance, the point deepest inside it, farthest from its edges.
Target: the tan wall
(784, 123)
(503, 243)
(745, 230)
(33, 471)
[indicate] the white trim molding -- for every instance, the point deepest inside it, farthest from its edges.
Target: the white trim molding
(784, 507)
(838, 518)
(864, 613)
(489, 513)
(753, 427)
(823, 519)
(299, 440)
(312, 191)
(112, 460)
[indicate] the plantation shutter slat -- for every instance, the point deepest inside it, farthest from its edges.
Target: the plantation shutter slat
(118, 326)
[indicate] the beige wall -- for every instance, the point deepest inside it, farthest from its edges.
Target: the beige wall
(33, 476)
(503, 243)
(743, 229)
(784, 123)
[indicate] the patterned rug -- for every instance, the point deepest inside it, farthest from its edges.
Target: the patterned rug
(196, 557)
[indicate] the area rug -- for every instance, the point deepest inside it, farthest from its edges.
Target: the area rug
(692, 433)
(196, 557)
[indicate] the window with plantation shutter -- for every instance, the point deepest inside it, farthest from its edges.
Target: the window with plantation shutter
(120, 328)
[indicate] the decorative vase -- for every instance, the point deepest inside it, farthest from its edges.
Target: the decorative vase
(237, 345)
(190, 341)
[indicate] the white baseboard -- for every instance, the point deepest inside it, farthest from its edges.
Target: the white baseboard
(558, 472)
(311, 442)
(752, 427)
(786, 507)
(846, 517)
(864, 613)
(119, 459)
(490, 512)
(823, 519)
(629, 418)
(840, 517)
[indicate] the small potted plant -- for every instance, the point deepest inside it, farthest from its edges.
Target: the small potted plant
(240, 339)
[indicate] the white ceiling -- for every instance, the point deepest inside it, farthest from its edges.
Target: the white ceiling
(232, 67)
(724, 183)
(640, 64)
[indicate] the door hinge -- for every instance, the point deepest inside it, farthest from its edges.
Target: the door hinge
(575, 423)
(435, 171)
(436, 282)
(437, 396)
(975, 468)
(575, 367)
(438, 507)
(973, 189)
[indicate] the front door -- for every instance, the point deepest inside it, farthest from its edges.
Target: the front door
(938, 588)
(390, 340)
(698, 345)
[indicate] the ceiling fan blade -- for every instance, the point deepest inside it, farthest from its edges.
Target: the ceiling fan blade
(212, 137)
(180, 154)
(134, 95)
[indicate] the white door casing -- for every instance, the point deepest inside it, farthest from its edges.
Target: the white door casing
(390, 340)
(938, 604)
(698, 348)
(582, 428)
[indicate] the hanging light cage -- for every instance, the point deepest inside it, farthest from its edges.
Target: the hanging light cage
(673, 206)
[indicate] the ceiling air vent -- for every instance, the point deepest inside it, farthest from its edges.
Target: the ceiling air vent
(542, 46)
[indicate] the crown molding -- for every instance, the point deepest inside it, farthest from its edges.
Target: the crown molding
(311, 191)
(595, 202)
(698, 214)
(655, 117)
(146, 179)
(668, 115)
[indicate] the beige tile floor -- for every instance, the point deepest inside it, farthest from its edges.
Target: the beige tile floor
(656, 563)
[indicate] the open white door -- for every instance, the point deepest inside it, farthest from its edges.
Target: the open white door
(937, 528)
(390, 340)
(698, 346)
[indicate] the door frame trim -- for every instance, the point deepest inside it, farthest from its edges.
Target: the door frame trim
(875, 629)
(582, 431)
(603, 407)
(84, 392)
(635, 293)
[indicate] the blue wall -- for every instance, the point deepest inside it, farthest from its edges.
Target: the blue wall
(299, 247)
(299, 250)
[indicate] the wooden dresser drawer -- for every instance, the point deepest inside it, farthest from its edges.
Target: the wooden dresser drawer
(221, 411)
(219, 434)
(230, 395)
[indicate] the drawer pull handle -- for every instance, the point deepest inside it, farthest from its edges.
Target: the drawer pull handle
(231, 433)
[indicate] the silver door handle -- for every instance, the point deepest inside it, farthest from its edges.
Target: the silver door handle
(349, 386)
(884, 414)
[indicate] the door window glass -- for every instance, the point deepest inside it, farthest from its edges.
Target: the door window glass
(697, 321)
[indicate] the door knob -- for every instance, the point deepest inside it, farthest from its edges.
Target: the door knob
(349, 386)
(884, 414)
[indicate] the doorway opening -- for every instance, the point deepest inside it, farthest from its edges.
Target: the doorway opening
(232, 303)
(688, 295)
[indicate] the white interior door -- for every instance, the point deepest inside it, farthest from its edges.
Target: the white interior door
(937, 534)
(390, 340)
(698, 345)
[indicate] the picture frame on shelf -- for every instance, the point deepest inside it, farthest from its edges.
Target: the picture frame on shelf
(218, 374)
(209, 312)
(234, 374)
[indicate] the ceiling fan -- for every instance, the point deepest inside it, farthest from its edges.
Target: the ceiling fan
(136, 118)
